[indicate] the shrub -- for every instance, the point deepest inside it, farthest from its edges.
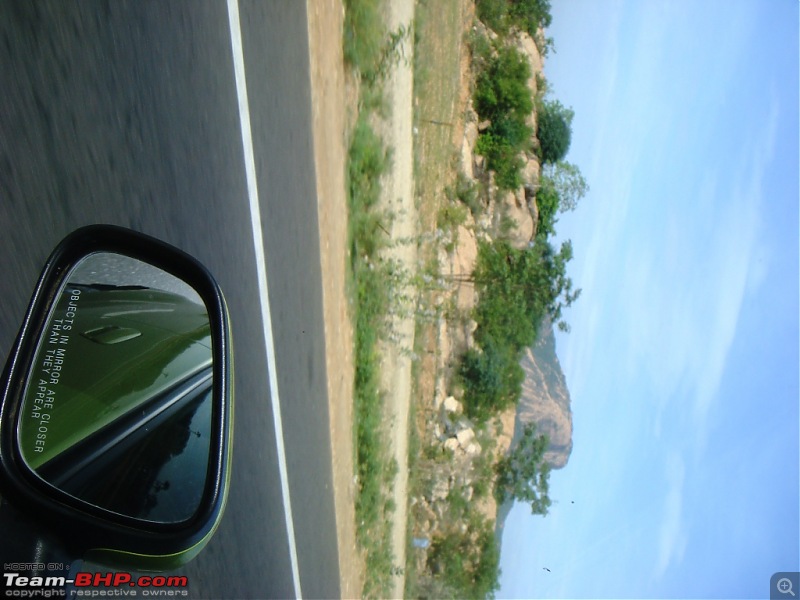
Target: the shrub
(568, 183)
(526, 15)
(494, 14)
(451, 216)
(492, 379)
(363, 34)
(503, 97)
(517, 290)
(554, 130)
(502, 88)
(523, 475)
(503, 159)
(466, 191)
(529, 15)
(469, 563)
(511, 285)
(547, 201)
(368, 160)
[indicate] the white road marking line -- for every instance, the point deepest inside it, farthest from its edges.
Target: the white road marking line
(261, 264)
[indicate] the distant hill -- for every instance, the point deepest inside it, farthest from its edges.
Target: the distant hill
(545, 401)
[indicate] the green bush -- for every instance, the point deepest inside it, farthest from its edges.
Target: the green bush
(517, 289)
(502, 88)
(451, 216)
(511, 284)
(554, 130)
(364, 34)
(503, 159)
(492, 379)
(368, 160)
(466, 191)
(523, 475)
(370, 285)
(526, 15)
(367, 46)
(502, 96)
(468, 563)
(529, 15)
(481, 48)
(547, 201)
(493, 14)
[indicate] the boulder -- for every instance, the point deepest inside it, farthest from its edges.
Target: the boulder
(473, 449)
(452, 405)
(440, 491)
(527, 46)
(520, 197)
(464, 437)
(466, 151)
(522, 231)
(469, 333)
(471, 134)
(466, 256)
(451, 444)
(478, 162)
(530, 172)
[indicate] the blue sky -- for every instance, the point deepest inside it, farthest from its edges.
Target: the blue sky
(683, 358)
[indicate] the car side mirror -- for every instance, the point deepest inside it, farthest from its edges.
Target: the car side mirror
(116, 417)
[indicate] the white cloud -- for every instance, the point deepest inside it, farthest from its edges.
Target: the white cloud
(685, 272)
(672, 534)
(737, 258)
(665, 275)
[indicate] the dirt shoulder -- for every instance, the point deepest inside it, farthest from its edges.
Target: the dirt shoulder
(397, 198)
(325, 18)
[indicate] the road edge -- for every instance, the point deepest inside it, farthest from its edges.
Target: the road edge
(325, 20)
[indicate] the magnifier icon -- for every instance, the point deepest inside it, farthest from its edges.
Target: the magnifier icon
(785, 586)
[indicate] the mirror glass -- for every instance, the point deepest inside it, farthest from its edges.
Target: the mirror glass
(118, 406)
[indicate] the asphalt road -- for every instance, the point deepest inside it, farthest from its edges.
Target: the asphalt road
(126, 113)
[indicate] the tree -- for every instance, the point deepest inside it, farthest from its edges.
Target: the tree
(527, 15)
(468, 563)
(524, 475)
(567, 181)
(502, 96)
(492, 379)
(502, 89)
(518, 289)
(530, 14)
(547, 204)
(554, 130)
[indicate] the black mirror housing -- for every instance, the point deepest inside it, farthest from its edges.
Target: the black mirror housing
(137, 427)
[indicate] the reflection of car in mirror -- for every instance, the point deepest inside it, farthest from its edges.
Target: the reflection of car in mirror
(129, 357)
(116, 404)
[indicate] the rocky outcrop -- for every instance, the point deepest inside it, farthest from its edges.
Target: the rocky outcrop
(514, 211)
(457, 449)
(514, 206)
(527, 47)
(545, 399)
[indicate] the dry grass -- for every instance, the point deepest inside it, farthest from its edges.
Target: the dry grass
(437, 91)
(439, 100)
